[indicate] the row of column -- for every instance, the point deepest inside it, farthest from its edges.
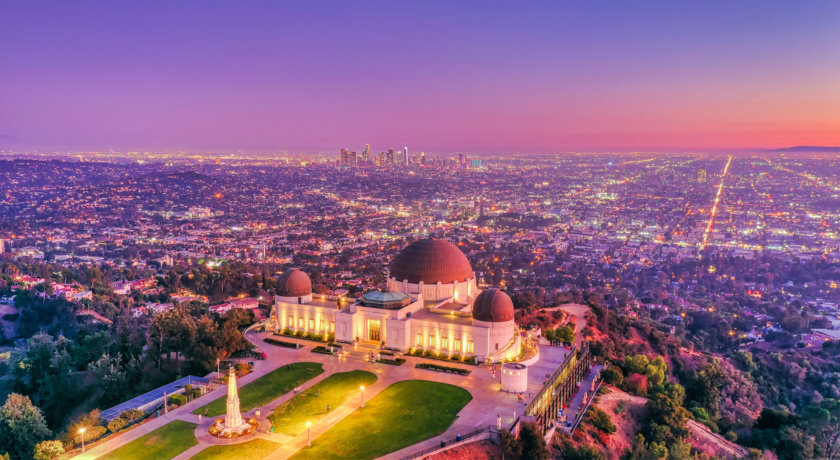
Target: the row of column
(565, 390)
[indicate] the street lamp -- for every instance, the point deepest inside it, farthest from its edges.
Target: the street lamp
(308, 437)
(363, 395)
(82, 432)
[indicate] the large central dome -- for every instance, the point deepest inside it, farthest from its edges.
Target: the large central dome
(431, 260)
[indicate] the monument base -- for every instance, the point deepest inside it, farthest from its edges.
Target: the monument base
(219, 429)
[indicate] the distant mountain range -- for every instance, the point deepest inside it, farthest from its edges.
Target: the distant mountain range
(805, 148)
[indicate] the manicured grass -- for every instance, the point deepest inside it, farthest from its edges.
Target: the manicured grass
(403, 414)
(257, 448)
(290, 417)
(164, 443)
(266, 388)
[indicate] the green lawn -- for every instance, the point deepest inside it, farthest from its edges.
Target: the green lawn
(257, 448)
(403, 414)
(164, 443)
(266, 388)
(290, 417)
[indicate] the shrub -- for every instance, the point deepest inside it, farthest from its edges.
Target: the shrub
(620, 407)
(117, 424)
(386, 353)
(731, 436)
(132, 414)
(636, 384)
(91, 434)
(393, 362)
(47, 450)
(243, 368)
(601, 420)
(177, 399)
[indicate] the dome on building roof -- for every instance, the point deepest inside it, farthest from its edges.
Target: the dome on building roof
(493, 305)
(431, 260)
(294, 282)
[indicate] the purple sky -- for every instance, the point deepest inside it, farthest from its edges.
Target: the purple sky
(444, 76)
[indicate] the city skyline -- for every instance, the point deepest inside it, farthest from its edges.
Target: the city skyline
(436, 77)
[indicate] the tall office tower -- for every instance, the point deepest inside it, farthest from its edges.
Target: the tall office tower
(422, 158)
(405, 156)
(391, 156)
(381, 160)
(353, 157)
(366, 154)
(345, 156)
(701, 175)
(460, 160)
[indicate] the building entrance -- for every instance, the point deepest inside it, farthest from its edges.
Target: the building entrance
(374, 326)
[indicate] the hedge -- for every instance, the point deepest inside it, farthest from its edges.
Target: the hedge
(322, 349)
(438, 368)
(280, 343)
(393, 362)
(178, 399)
(132, 414)
(431, 354)
(117, 424)
(91, 434)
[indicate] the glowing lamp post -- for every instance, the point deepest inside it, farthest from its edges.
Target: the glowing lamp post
(82, 432)
(363, 395)
(308, 434)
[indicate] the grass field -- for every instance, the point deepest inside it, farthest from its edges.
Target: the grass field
(290, 417)
(164, 443)
(403, 414)
(255, 449)
(266, 388)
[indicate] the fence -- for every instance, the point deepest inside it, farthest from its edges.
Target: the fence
(585, 408)
(444, 445)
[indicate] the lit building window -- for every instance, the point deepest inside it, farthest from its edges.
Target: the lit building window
(458, 344)
(419, 341)
(300, 322)
(432, 342)
(444, 342)
(470, 346)
(332, 326)
(311, 324)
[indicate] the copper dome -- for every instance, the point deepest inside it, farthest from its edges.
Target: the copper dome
(431, 260)
(493, 305)
(294, 282)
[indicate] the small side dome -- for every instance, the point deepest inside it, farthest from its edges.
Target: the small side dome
(294, 282)
(493, 305)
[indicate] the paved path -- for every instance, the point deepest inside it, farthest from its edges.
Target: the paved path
(488, 401)
(579, 312)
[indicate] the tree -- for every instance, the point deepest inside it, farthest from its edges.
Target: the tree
(823, 420)
(112, 377)
(533, 443)
(48, 450)
(242, 317)
(565, 334)
(613, 375)
(22, 426)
